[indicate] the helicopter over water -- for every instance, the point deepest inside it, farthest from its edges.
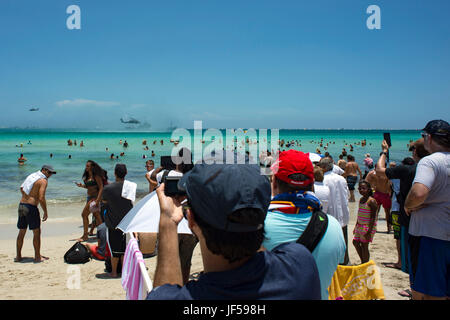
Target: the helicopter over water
(130, 120)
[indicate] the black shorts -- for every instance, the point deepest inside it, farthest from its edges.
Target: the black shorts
(186, 246)
(28, 217)
(116, 242)
(351, 181)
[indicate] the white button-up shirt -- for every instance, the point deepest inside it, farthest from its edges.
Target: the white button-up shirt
(338, 200)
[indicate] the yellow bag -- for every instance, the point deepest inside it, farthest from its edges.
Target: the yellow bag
(361, 282)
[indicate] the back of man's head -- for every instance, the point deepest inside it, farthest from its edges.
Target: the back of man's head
(293, 171)
(318, 174)
(185, 163)
(408, 161)
(440, 132)
(419, 147)
(326, 164)
(120, 170)
(229, 203)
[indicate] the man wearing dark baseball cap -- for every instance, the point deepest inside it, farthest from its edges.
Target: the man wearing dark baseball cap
(33, 194)
(49, 168)
(291, 210)
(428, 204)
(226, 207)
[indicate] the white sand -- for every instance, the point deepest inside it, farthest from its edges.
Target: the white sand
(52, 278)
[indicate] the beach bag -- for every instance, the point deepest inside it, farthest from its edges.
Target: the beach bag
(78, 253)
(314, 231)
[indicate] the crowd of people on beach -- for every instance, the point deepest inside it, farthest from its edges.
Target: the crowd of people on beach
(276, 236)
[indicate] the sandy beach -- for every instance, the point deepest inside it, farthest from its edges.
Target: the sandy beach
(50, 280)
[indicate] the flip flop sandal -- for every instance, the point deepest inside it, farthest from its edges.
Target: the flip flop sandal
(405, 293)
(392, 265)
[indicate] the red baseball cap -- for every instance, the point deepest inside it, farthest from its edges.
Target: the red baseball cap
(293, 161)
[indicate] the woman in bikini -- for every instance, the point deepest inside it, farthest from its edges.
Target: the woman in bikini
(93, 177)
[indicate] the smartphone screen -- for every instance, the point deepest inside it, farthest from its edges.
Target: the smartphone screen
(387, 137)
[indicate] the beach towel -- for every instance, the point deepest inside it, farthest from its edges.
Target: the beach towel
(27, 185)
(129, 190)
(132, 280)
(361, 282)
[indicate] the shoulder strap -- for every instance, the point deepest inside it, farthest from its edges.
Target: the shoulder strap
(314, 231)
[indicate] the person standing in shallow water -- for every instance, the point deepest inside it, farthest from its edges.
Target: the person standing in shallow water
(351, 175)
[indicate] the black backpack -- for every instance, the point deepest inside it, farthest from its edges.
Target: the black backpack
(314, 231)
(78, 253)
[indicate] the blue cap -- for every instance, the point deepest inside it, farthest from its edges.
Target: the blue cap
(216, 190)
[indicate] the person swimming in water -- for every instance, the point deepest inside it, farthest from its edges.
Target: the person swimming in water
(21, 159)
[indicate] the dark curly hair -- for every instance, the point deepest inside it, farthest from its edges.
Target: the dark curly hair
(368, 186)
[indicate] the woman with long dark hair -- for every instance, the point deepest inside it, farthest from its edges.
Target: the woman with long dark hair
(94, 178)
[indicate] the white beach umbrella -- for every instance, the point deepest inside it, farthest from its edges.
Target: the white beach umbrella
(314, 157)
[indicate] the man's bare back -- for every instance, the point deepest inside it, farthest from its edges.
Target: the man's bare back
(352, 169)
(36, 196)
(380, 183)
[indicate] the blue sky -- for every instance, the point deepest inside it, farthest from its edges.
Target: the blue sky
(231, 64)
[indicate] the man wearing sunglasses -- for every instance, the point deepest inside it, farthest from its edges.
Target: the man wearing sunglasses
(226, 208)
(428, 204)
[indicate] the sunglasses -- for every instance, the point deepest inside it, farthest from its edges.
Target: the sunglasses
(424, 134)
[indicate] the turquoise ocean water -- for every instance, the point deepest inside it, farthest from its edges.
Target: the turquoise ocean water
(36, 145)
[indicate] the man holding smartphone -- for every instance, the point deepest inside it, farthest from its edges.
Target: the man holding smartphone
(171, 172)
(428, 204)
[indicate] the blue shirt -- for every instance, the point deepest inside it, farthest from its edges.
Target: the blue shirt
(287, 273)
(330, 251)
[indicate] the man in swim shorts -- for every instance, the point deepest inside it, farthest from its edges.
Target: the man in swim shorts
(382, 194)
(351, 175)
(29, 213)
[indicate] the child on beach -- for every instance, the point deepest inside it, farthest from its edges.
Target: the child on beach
(366, 224)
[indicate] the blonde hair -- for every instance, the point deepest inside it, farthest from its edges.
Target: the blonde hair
(318, 174)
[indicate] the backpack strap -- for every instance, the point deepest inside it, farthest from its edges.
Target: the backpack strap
(314, 231)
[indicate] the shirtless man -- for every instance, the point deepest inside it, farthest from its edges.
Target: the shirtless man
(150, 165)
(29, 213)
(351, 174)
(382, 194)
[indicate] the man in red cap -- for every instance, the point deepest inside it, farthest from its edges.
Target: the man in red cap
(291, 210)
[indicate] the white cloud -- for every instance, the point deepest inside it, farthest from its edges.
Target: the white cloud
(86, 102)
